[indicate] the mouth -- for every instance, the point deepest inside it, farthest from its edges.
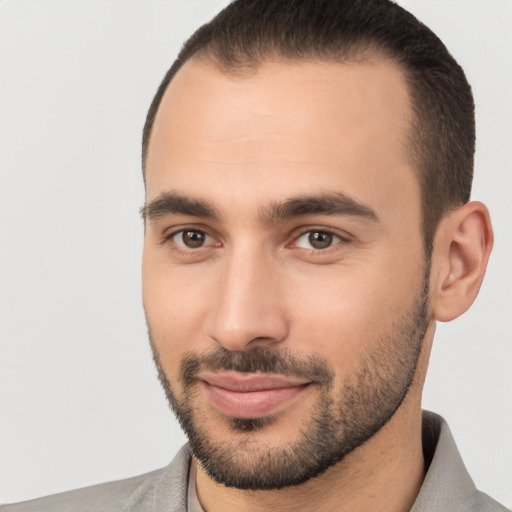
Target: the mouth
(251, 395)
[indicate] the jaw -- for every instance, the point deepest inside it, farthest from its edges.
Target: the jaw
(384, 473)
(390, 464)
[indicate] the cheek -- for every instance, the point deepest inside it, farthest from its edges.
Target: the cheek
(344, 314)
(174, 304)
(338, 312)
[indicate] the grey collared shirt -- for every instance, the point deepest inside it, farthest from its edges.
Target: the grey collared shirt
(447, 486)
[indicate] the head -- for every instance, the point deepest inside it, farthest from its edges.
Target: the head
(308, 167)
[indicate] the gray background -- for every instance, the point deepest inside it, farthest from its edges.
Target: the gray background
(79, 399)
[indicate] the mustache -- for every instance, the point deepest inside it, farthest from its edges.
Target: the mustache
(256, 360)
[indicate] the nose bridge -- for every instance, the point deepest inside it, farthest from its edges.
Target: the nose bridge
(247, 309)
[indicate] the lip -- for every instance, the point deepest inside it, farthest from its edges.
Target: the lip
(251, 395)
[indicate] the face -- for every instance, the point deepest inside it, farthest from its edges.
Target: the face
(284, 277)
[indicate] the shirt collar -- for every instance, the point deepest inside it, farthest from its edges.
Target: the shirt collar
(447, 485)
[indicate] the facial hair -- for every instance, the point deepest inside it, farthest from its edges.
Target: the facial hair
(342, 419)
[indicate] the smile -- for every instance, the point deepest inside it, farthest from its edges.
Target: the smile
(250, 395)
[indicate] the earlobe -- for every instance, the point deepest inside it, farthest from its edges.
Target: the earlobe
(462, 248)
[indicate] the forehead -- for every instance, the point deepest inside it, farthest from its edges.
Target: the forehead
(285, 128)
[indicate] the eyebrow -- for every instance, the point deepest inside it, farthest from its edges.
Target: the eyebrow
(329, 203)
(172, 203)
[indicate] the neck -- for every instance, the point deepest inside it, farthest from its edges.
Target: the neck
(384, 474)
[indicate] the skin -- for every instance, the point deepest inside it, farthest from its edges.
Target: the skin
(242, 143)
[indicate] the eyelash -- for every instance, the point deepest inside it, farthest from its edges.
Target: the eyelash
(335, 235)
(332, 233)
(170, 236)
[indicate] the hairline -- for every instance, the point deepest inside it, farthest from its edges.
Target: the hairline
(368, 52)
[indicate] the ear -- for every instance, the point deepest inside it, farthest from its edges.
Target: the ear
(462, 247)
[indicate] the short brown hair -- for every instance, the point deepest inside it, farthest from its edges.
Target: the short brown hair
(442, 139)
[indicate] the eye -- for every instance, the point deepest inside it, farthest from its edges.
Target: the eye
(191, 239)
(317, 239)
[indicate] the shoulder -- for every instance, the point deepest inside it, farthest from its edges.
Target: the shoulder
(483, 502)
(447, 484)
(147, 493)
(106, 496)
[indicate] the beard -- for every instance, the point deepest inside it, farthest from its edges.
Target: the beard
(343, 417)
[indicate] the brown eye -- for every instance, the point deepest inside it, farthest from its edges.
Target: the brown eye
(191, 238)
(318, 240)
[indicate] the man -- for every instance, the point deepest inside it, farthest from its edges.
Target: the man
(308, 168)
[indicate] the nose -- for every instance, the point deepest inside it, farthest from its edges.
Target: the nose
(248, 310)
